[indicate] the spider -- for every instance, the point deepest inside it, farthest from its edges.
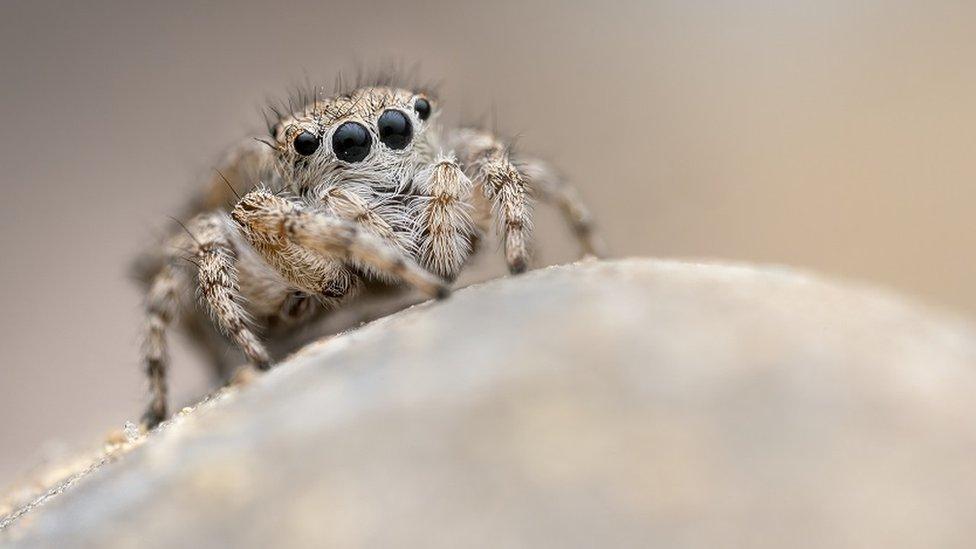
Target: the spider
(360, 188)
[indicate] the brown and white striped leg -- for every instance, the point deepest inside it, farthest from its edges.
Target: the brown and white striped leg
(338, 238)
(445, 217)
(217, 274)
(209, 247)
(551, 188)
(162, 304)
(345, 203)
(489, 165)
(268, 217)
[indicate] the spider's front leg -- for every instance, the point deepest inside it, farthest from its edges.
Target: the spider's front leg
(275, 222)
(210, 248)
(445, 218)
(217, 274)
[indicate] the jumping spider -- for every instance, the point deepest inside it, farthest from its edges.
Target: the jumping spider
(360, 187)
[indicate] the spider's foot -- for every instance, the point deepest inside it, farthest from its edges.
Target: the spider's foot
(443, 291)
(152, 418)
(518, 266)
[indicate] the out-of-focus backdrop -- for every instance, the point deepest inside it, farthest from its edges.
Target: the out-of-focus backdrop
(831, 135)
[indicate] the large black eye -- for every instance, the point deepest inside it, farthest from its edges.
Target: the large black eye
(395, 129)
(422, 106)
(306, 143)
(351, 142)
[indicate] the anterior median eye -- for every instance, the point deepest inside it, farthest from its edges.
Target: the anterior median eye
(395, 130)
(351, 142)
(306, 143)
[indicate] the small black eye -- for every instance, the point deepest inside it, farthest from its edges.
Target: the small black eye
(422, 106)
(351, 142)
(306, 143)
(395, 130)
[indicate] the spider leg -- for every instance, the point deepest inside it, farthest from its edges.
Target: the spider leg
(336, 237)
(551, 188)
(217, 280)
(210, 250)
(162, 304)
(445, 221)
(490, 166)
(273, 218)
(377, 215)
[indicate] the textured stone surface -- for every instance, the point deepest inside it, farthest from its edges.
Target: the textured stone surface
(633, 403)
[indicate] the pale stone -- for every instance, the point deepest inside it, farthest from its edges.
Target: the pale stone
(635, 403)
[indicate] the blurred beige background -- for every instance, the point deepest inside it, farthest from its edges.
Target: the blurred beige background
(832, 135)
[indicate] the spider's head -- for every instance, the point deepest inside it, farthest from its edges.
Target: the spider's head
(374, 135)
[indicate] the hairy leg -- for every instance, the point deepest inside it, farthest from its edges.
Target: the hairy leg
(217, 280)
(445, 219)
(488, 163)
(162, 304)
(209, 249)
(274, 221)
(383, 217)
(551, 188)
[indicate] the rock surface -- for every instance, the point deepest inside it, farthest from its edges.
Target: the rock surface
(635, 403)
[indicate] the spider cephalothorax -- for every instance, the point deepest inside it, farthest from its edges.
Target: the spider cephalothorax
(359, 186)
(373, 135)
